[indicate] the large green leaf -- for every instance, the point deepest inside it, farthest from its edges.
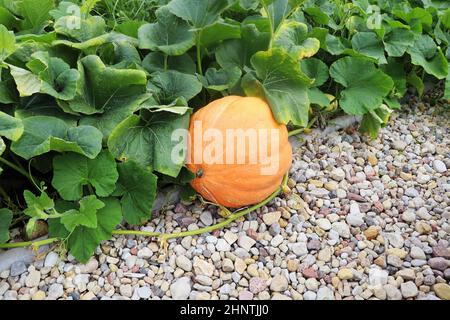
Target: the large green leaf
(83, 240)
(365, 85)
(149, 142)
(7, 43)
(5, 220)
(315, 69)
(10, 127)
(278, 10)
(219, 31)
(57, 78)
(282, 83)
(221, 79)
(237, 52)
(137, 187)
(104, 88)
(368, 44)
(395, 69)
(35, 14)
(397, 41)
(27, 83)
(169, 85)
(154, 61)
(199, 13)
(86, 215)
(73, 171)
(169, 34)
(293, 37)
(43, 134)
(426, 54)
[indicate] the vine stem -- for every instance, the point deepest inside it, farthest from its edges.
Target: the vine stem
(17, 168)
(165, 236)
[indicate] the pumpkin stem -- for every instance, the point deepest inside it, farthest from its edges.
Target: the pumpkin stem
(199, 173)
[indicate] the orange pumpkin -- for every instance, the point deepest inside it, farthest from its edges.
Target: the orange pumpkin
(232, 167)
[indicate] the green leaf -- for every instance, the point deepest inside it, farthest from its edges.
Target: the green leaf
(154, 61)
(137, 187)
(73, 171)
(293, 37)
(56, 229)
(315, 69)
(5, 220)
(79, 28)
(170, 85)
(374, 120)
(414, 80)
(198, 12)
(85, 216)
(397, 41)
(83, 241)
(7, 43)
(218, 32)
(284, 86)
(278, 10)
(426, 54)
(178, 106)
(57, 78)
(395, 70)
(447, 86)
(170, 34)
(10, 127)
(317, 97)
(221, 79)
(237, 52)
(130, 27)
(35, 14)
(7, 19)
(368, 44)
(37, 206)
(104, 88)
(419, 15)
(149, 142)
(43, 134)
(27, 83)
(365, 85)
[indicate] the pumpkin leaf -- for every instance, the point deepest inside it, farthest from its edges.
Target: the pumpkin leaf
(169, 85)
(237, 52)
(368, 44)
(104, 88)
(315, 69)
(397, 41)
(282, 83)
(374, 120)
(35, 13)
(364, 91)
(7, 43)
(154, 61)
(426, 54)
(5, 221)
(27, 83)
(37, 206)
(86, 215)
(170, 35)
(198, 12)
(73, 171)
(10, 127)
(83, 241)
(149, 142)
(220, 80)
(218, 32)
(137, 188)
(293, 37)
(43, 134)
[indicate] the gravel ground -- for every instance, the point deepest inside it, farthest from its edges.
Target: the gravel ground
(365, 220)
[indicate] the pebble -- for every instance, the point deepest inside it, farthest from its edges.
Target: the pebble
(342, 229)
(206, 218)
(345, 274)
(33, 279)
(438, 263)
(17, 268)
(439, 166)
(279, 283)
(409, 289)
(245, 242)
(144, 292)
(337, 174)
(271, 217)
(324, 224)
(181, 288)
(442, 290)
(184, 263)
(325, 293)
(51, 259)
(299, 249)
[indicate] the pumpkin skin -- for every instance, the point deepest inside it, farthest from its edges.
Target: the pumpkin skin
(237, 184)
